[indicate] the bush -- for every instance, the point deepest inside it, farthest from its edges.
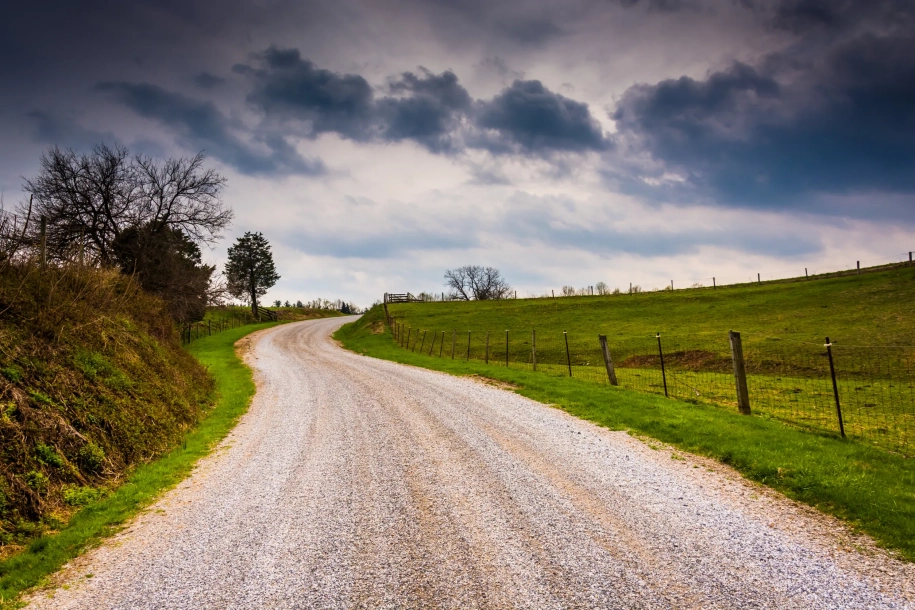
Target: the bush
(12, 373)
(76, 495)
(92, 457)
(48, 456)
(36, 481)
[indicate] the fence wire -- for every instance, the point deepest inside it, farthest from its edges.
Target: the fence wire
(787, 380)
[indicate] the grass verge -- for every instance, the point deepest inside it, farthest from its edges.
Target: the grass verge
(871, 489)
(234, 388)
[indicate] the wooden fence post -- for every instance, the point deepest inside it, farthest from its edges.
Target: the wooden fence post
(740, 373)
(835, 387)
(487, 347)
(409, 332)
(611, 372)
(442, 345)
(663, 372)
(468, 347)
(565, 336)
(453, 341)
(421, 345)
(506, 349)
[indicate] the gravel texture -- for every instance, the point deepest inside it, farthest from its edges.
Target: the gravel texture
(359, 483)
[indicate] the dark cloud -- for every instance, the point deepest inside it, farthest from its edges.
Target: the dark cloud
(434, 110)
(829, 116)
(287, 86)
(54, 129)
(529, 116)
(205, 80)
(202, 126)
(429, 110)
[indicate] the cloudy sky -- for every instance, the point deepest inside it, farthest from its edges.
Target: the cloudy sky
(378, 143)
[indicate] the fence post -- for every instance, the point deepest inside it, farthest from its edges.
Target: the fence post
(663, 372)
(759, 278)
(423, 344)
(859, 268)
(713, 283)
(506, 349)
(534, 348)
(487, 347)
(210, 328)
(611, 373)
(740, 373)
(671, 284)
(835, 387)
(805, 273)
(441, 345)
(409, 332)
(565, 335)
(432, 347)
(468, 347)
(453, 341)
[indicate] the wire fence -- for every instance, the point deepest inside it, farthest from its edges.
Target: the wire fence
(864, 392)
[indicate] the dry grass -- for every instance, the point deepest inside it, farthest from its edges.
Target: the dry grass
(92, 383)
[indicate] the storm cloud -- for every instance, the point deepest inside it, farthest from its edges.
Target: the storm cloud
(832, 118)
(564, 142)
(203, 126)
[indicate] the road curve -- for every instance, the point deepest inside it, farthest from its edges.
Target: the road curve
(359, 483)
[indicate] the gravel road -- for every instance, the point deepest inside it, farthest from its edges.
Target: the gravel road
(359, 483)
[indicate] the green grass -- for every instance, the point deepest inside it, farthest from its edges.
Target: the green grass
(234, 387)
(783, 326)
(873, 490)
(869, 309)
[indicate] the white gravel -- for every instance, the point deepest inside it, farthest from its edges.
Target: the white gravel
(359, 483)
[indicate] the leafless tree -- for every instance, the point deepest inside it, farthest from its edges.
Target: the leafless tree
(602, 288)
(144, 216)
(476, 282)
(92, 199)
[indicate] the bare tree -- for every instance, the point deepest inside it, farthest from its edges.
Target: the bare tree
(92, 199)
(602, 288)
(144, 216)
(476, 282)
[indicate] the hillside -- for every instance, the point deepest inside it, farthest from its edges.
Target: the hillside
(871, 309)
(92, 382)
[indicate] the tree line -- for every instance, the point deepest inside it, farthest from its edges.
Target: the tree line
(148, 218)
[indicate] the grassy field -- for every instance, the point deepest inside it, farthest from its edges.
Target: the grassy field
(234, 389)
(873, 490)
(783, 327)
(868, 309)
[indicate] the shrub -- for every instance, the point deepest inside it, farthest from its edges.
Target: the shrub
(36, 481)
(13, 373)
(76, 495)
(48, 455)
(91, 457)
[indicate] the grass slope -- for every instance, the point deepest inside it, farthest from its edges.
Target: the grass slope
(234, 388)
(871, 489)
(867, 309)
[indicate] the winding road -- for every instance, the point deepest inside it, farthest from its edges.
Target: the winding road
(359, 483)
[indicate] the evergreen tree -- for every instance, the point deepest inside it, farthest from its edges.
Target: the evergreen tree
(250, 271)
